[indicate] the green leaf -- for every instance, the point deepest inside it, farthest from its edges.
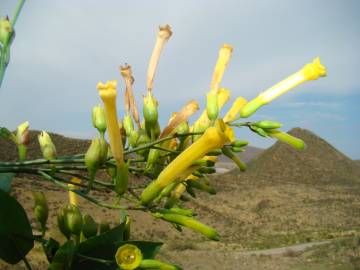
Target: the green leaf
(4, 133)
(64, 257)
(91, 246)
(5, 181)
(16, 238)
(50, 247)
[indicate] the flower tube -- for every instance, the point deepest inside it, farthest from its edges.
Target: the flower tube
(235, 109)
(311, 71)
(162, 37)
(222, 61)
(108, 93)
(212, 138)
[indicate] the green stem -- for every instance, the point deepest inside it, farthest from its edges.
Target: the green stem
(89, 198)
(22, 152)
(42, 162)
(17, 12)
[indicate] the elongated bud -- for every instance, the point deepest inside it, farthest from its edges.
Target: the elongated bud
(287, 138)
(239, 143)
(155, 264)
(62, 224)
(259, 131)
(6, 31)
(41, 209)
(236, 149)
(128, 256)
(47, 146)
(235, 109)
(99, 119)
(311, 71)
(142, 139)
(192, 224)
(153, 157)
(103, 150)
(212, 108)
(122, 179)
(73, 220)
(128, 124)
(150, 111)
(201, 186)
(266, 124)
(90, 227)
(93, 159)
(22, 133)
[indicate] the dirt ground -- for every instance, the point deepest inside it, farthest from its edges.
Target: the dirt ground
(248, 215)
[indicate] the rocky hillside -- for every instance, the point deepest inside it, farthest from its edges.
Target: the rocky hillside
(320, 161)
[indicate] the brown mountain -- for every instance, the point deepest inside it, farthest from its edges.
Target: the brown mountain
(320, 161)
(64, 146)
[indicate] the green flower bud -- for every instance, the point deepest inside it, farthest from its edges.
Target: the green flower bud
(134, 137)
(122, 179)
(142, 139)
(239, 143)
(212, 108)
(150, 111)
(153, 157)
(61, 223)
(47, 146)
(259, 131)
(104, 227)
(201, 186)
(206, 170)
(128, 124)
(6, 31)
(237, 149)
(99, 119)
(183, 128)
(22, 134)
(93, 159)
(251, 107)
(268, 124)
(103, 150)
(90, 227)
(73, 219)
(192, 224)
(155, 264)
(128, 257)
(41, 209)
(215, 152)
(287, 138)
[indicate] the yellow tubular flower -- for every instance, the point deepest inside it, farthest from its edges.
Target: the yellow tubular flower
(311, 71)
(73, 197)
(222, 61)
(223, 97)
(212, 138)
(234, 111)
(108, 93)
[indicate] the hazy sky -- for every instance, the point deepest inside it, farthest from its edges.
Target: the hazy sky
(63, 48)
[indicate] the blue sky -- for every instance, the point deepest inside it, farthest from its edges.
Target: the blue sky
(63, 48)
